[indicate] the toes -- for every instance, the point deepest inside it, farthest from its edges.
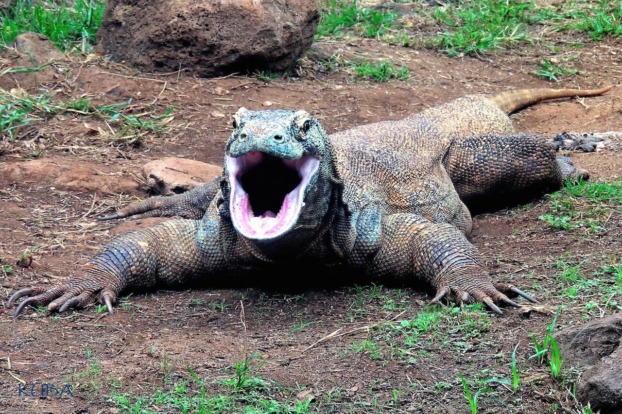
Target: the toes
(464, 297)
(68, 300)
(70, 304)
(440, 294)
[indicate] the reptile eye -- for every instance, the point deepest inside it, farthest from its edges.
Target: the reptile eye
(234, 123)
(306, 126)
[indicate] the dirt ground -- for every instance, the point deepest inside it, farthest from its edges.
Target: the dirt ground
(65, 171)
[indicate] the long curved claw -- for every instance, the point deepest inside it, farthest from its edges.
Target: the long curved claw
(111, 217)
(108, 302)
(22, 305)
(510, 302)
(492, 305)
(523, 294)
(20, 293)
(504, 288)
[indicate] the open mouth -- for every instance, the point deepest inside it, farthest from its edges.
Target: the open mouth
(267, 192)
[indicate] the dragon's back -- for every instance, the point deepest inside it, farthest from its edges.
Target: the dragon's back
(397, 165)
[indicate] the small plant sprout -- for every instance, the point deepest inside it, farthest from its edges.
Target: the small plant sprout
(515, 374)
(472, 398)
(555, 361)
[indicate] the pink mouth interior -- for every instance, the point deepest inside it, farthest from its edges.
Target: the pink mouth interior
(267, 192)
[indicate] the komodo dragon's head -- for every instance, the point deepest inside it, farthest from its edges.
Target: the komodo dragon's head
(277, 184)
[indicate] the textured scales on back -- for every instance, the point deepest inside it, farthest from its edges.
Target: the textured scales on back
(389, 200)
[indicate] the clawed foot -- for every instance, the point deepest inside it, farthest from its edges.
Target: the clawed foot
(61, 298)
(157, 207)
(486, 294)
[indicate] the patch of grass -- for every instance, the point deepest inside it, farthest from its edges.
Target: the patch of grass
(368, 346)
(68, 26)
(587, 205)
(7, 269)
(220, 306)
(380, 72)
(548, 347)
(300, 326)
(553, 71)
(20, 110)
(472, 398)
(600, 20)
(243, 392)
(339, 15)
(267, 76)
(480, 26)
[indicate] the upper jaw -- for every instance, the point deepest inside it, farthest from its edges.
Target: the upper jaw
(267, 192)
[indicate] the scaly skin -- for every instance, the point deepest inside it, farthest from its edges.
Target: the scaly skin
(385, 201)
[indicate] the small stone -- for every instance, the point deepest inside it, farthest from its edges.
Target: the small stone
(267, 103)
(217, 114)
(305, 396)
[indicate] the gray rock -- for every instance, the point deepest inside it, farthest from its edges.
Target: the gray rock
(208, 37)
(601, 385)
(585, 345)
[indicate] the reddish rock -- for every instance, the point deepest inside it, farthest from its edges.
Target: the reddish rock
(177, 175)
(208, 37)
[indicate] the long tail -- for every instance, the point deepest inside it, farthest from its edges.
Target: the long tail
(514, 100)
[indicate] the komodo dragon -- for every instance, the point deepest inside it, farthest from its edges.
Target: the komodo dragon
(384, 201)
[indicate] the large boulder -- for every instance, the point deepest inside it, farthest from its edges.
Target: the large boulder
(208, 37)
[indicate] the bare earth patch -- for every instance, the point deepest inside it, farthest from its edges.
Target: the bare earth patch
(49, 206)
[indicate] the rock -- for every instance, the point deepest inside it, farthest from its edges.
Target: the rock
(585, 345)
(601, 385)
(67, 175)
(177, 175)
(37, 48)
(208, 37)
(30, 50)
(595, 347)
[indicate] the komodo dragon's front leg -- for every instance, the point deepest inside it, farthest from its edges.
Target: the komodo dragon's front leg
(438, 254)
(189, 205)
(169, 254)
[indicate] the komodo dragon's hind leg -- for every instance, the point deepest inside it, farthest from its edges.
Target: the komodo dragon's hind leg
(490, 172)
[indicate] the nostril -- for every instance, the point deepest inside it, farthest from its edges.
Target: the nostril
(278, 138)
(243, 136)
